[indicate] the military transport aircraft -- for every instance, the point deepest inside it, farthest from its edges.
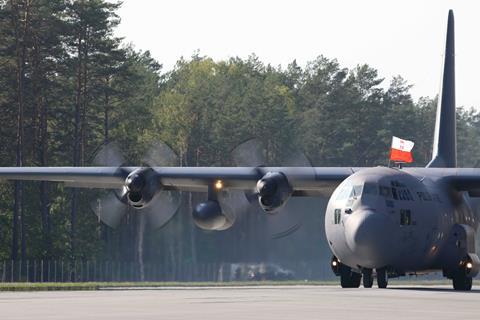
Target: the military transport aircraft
(380, 221)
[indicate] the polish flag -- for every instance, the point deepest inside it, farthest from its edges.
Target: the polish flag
(401, 150)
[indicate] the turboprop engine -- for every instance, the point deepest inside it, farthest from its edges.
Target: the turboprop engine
(273, 191)
(141, 186)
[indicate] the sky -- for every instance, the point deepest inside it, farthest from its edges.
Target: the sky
(404, 38)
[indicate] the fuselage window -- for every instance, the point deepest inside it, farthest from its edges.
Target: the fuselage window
(405, 217)
(337, 216)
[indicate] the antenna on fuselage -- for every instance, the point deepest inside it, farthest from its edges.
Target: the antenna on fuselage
(445, 139)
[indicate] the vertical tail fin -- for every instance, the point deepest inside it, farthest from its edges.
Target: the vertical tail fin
(445, 140)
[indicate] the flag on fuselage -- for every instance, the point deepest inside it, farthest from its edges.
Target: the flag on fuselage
(401, 150)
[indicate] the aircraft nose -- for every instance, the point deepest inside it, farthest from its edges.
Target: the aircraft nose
(367, 234)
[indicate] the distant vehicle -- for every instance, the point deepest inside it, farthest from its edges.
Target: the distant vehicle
(379, 221)
(254, 272)
(272, 272)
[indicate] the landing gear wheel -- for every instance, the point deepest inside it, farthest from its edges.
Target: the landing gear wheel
(462, 282)
(367, 278)
(382, 278)
(348, 278)
(356, 279)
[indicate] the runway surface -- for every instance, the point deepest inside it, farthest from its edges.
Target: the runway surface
(309, 302)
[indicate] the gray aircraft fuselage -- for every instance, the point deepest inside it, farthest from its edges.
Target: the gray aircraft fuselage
(400, 219)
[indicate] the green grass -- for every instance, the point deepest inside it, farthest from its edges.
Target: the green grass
(53, 286)
(79, 286)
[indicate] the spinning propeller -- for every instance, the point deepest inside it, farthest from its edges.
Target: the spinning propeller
(273, 189)
(142, 190)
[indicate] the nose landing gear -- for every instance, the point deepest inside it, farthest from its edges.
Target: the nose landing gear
(367, 278)
(352, 279)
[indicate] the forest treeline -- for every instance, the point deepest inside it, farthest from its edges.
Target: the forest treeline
(68, 86)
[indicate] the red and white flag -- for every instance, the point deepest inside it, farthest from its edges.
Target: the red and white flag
(401, 150)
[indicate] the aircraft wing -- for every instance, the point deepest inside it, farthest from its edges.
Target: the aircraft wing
(304, 180)
(462, 179)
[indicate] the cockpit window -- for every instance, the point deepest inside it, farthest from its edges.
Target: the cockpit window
(385, 191)
(344, 193)
(370, 188)
(356, 191)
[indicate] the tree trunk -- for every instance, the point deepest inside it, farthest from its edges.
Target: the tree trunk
(40, 122)
(76, 147)
(106, 231)
(20, 52)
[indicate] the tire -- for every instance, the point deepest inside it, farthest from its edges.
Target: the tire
(356, 280)
(345, 276)
(348, 278)
(461, 282)
(367, 278)
(382, 278)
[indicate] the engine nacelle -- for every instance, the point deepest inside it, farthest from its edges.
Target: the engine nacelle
(273, 191)
(141, 186)
(209, 216)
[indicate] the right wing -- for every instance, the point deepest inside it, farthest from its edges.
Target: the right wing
(304, 180)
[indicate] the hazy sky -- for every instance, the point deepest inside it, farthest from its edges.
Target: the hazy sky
(396, 37)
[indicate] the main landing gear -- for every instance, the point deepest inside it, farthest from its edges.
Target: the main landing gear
(382, 278)
(349, 278)
(462, 278)
(462, 282)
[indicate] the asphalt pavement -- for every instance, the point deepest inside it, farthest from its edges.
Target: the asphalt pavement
(303, 302)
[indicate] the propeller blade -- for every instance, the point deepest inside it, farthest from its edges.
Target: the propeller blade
(297, 159)
(250, 153)
(165, 203)
(162, 208)
(109, 209)
(287, 221)
(109, 155)
(160, 155)
(233, 204)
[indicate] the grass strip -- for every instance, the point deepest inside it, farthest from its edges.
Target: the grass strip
(81, 286)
